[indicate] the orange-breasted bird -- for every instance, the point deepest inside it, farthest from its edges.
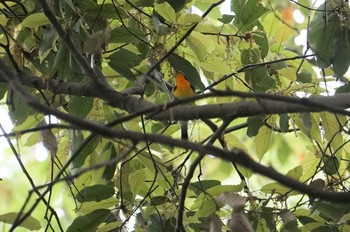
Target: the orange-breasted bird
(183, 89)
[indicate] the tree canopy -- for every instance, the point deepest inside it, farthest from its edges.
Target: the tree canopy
(89, 82)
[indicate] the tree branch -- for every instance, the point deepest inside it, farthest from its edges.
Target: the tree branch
(265, 104)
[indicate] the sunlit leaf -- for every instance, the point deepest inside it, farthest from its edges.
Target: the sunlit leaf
(166, 11)
(249, 12)
(200, 45)
(226, 18)
(35, 20)
(332, 127)
(295, 173)
(206, 209)
(262, 141)
(277, 188)
(136, 180)
(29, 223)
(90, 206)
(109, 226)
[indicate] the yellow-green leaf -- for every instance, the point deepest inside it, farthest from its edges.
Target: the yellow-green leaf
(216, 65)
(91, 206)
(271, 24)
(136, 180)
(35, 20)
(311, 128)
(276, 187)
(186, 19)
(29, 223)
(331, 127)
(166, 11)
(296, 172)
(262, 141)
(201, 45)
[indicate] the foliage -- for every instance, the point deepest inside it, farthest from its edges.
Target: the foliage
(91, 82)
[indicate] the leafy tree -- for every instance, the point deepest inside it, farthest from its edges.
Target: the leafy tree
(91, 81)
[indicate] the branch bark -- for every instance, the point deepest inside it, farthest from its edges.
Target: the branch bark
(263, 103)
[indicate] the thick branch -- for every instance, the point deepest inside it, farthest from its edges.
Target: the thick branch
(266, 103)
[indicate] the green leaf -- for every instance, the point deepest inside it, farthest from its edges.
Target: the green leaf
(166, 11)
(215, 191)
(89, 222)
(110, 226)
(271, 24)
(166, 224)
(35, 20)
(199, 186)
(321, 35)
(80, 106)
(309, 125)
(305, 217)
(306, 120)
(3, 90)
(331, 165)
(50, 35)
(277, 188)
(109, 171)
(262, 141)
(304, 76)
(189, 19)
(343, 89)
(284, 122)
(160, 28)
(259, 78)
(3, 20)
(284, 151)
(126, 57)
(254, 125)
(29, 223)
(107, 10)
(260, 38)
(25, 37)
(95, 193)
(86, 151)
(226, 18)
(207, 208)
(126, 35)
(64, 64)
(341, 58)
(136, 180)
(123, 61)
(183, 65)
(295, 173)
(331, 210)
(200, 45)
(332, 128)
(18, 110)
(216, 65)
(90, 206)
(249, 13)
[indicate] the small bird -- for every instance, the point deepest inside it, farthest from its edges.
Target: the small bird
(183, 89)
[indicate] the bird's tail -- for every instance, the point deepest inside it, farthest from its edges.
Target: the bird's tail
(183, 127)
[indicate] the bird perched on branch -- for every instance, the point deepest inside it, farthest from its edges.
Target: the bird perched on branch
(183, 89)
